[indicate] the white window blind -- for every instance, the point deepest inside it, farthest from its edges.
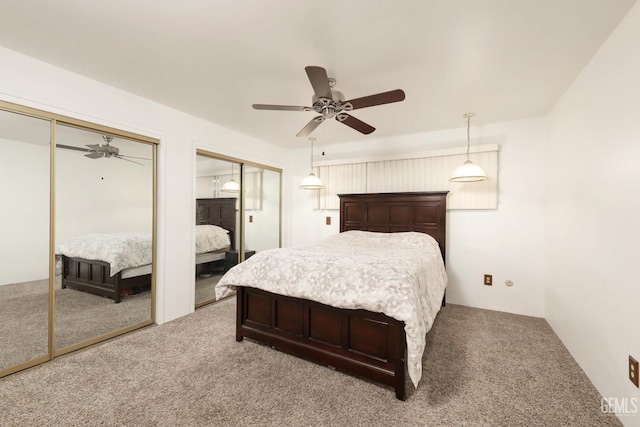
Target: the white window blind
(340, 179)
(427, 173)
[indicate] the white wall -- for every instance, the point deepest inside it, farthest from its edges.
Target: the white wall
(593, 287)
(507, 243)
(103, 195)
(29, 82)
(263, 232)
(24, 211)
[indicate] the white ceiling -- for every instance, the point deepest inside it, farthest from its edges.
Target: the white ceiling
(502, 59)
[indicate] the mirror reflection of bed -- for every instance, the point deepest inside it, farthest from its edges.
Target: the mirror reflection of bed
(217, 191)
(215, 237)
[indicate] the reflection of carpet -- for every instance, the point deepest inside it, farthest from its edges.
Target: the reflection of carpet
(79, 316)
(206, 288)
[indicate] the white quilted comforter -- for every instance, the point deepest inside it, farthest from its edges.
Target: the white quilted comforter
(399, 274)
(211, 238)
(128, 250)
(120, 250)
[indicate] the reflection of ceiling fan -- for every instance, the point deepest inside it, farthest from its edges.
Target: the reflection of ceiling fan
(96, 151)
(331, 103)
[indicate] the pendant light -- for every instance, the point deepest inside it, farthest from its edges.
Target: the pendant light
(231, 186)
(468, 172)
(311, 182)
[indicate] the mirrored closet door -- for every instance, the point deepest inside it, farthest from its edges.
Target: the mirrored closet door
(24, 237)
(262, 209)
(104, 234)
(77, 233)
(218, 232)
(237, 198)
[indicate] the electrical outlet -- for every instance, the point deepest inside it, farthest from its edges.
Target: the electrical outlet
(488, 279)
(328, 220)
(633, 371)
(250, 218)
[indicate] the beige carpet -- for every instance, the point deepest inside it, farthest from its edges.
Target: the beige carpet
(480, 368)
(79, 316)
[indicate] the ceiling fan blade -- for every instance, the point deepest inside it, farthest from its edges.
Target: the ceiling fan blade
(94, 155)
(319, 81)
(377, 99)
(70, 147)
(354, 123)
(132, 157)
(311, 126)
(281, 107)
(117, 156)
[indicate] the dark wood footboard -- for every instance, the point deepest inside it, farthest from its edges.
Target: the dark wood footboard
(369, 345)
(94, 277)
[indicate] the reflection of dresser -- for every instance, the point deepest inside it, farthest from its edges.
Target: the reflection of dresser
(221, 212)
(231, 258)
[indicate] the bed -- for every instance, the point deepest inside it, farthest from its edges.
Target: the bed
(117, 264)
(363, 342)
(107, 264)
(220, 212)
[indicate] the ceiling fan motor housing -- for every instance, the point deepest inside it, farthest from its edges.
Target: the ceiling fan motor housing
(108, 150)
(330, 107)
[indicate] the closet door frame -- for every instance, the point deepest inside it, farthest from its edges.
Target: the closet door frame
(55, 119)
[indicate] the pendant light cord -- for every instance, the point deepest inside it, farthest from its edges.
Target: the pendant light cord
(468, 117)
(311, 160)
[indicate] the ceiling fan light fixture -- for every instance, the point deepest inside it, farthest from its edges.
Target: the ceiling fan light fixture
(469, 171)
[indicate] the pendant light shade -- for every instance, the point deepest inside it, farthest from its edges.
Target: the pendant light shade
(468, 172)
(231, 186)
(311, 182)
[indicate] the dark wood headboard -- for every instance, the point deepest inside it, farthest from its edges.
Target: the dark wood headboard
(220, 212)
(425, 212)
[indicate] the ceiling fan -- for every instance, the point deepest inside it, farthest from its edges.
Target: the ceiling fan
(330, 103)
(97, 151)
